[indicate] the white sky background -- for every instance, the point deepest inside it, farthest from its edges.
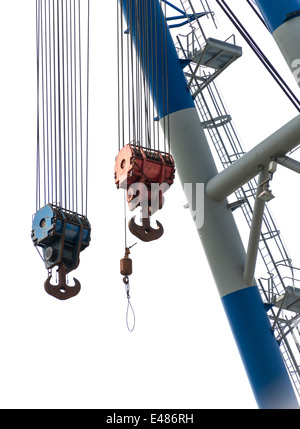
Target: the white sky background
(78, 353)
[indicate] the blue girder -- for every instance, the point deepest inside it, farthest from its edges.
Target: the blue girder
(188, 18)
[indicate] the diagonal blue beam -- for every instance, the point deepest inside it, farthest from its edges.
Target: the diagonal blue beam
(191, 18)
(174, 7)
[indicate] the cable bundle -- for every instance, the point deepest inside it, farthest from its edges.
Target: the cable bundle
(62, 43)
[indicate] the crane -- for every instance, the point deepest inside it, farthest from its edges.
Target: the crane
(190, 123)
(172, 120)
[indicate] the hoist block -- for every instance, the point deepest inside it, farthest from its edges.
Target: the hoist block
(61, 234)
(136, 164)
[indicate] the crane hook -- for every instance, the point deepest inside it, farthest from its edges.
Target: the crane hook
(145, 232)
(62, 290)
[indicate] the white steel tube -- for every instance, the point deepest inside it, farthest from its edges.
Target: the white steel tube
(282, 18)
(290, 163)
(287, 37)
(255, 231)
(249, 165)
(195, 164)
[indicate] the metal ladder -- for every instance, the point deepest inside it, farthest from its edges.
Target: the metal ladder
(224, 141)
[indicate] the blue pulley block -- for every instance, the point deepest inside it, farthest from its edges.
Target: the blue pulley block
(61, 234)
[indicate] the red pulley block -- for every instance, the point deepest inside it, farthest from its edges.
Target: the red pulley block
(137, 164)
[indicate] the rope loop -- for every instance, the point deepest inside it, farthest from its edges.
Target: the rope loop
(129, 307)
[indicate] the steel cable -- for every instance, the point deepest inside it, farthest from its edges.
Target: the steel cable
(261, 56)
(62, 145)
(138, 64)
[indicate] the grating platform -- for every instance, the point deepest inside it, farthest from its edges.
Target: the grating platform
(291, 299)
(217, 54)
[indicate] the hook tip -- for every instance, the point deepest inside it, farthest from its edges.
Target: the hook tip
(62, 291)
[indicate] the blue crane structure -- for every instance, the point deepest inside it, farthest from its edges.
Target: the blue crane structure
(192, 115)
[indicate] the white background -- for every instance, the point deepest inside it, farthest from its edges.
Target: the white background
(78, 353)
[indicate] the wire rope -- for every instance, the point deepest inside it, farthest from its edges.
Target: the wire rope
(167, 132)
(37, 5)
(50, 100)
(63, 124)
(68, 109)
(261, 56)
(47, 172)
(59, 106)
(138, 63)
(87, 108)
(62, 144)
(250, 3)
(55, 104)
(43, 102)
(71, 106)
(80, 106)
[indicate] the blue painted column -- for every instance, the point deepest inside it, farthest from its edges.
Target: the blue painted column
(218, 233)
(255, 340)
(154, 44)
(283, 20)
